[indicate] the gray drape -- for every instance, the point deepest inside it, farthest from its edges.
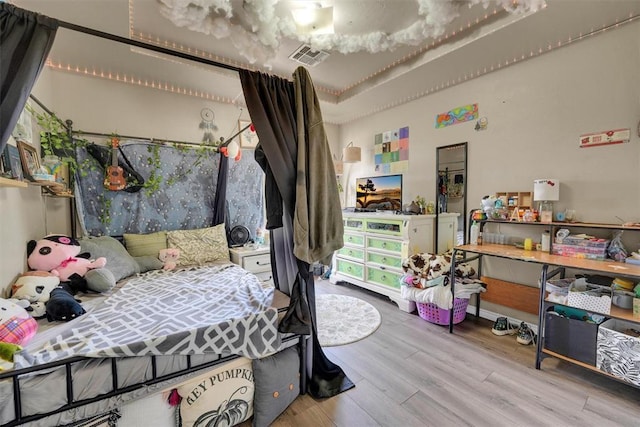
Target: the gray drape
(25, 41)
(289, 125)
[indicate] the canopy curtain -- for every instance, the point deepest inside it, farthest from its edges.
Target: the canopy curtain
(25, 41)
(289, 124)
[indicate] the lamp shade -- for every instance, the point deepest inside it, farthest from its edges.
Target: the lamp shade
(547, 189)
(351, 154)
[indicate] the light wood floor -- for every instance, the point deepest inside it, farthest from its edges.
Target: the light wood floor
(413, 373)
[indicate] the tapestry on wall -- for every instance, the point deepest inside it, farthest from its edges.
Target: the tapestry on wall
(178, 194)
(391, 151)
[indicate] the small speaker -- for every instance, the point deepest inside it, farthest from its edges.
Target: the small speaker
(239, 235)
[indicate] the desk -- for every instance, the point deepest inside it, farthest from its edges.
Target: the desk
(546, 260)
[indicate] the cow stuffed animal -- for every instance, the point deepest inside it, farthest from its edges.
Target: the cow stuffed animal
(60, 255)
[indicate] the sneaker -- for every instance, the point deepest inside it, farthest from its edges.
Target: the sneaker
(503, 327)
(525, 334)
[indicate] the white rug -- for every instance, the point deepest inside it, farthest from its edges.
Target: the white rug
(343, 319)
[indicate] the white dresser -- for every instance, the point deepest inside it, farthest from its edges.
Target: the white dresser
(256, 261)
(376, 244)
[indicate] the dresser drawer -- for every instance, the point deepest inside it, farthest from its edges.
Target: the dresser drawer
(388, 245)
(384, 277)
(352, 253)
(354, 224)
(385, 260)
(265, 277)
(353, 239)
(349, 268)
(394, 227)
(257, 263)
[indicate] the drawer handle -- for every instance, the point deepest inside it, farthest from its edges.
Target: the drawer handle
(259, 263)
(384, 259)
(348, 268)
(350, 239)
(383, 278)
(382, 268)
(350, 252)
(384, 244)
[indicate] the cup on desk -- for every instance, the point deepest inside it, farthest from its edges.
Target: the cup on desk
(528, 244)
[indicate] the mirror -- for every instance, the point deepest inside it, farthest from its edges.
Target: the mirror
(451, 196)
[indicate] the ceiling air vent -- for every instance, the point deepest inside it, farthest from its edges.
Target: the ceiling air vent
(306, 55)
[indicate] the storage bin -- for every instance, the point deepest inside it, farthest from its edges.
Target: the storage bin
(618, 353)
(434, 314)
(578, 251)
(590, 297)
(570, 337)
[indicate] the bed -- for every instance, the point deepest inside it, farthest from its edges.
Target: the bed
(154, 332)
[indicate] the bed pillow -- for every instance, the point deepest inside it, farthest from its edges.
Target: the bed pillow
(200, 246)
(145, 244)
(119, 262)
(222, 396)
(277, 385)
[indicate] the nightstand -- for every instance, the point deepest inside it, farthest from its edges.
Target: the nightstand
(256, 261)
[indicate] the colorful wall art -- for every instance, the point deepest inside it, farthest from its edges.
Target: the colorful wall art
(391, 151)
(457, 115)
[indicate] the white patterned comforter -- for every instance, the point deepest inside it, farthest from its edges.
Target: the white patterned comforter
(210, 309)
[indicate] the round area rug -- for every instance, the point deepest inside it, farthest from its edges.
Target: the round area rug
(343, 319)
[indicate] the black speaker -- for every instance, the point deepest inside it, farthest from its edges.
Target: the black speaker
(239, 235)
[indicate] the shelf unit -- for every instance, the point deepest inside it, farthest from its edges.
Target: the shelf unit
(560, 264)
(7, 182)
(521, 200)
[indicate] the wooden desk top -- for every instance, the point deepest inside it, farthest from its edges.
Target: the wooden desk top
(511, 252)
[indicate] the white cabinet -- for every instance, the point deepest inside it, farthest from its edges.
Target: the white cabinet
(256, 261)
(375, 246)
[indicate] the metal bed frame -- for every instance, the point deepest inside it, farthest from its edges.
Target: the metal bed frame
(72, 403)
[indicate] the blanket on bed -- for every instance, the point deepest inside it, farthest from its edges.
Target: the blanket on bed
(220, 309)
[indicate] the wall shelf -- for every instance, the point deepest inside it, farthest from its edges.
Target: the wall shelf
(7, 182)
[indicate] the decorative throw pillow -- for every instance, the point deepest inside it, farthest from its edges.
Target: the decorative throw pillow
(145, 244)
(119, 262)
(277, 385)
(222, 396)
(200, 246)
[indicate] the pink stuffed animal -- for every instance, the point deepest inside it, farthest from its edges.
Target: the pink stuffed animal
(170, 257)
(61, 256)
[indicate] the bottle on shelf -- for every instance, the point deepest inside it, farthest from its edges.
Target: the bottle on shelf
(546, 241)
(475, 231)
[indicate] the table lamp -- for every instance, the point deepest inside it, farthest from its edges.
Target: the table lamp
(546, 191)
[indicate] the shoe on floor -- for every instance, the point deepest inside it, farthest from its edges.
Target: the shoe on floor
(525, 334)
(502, 327)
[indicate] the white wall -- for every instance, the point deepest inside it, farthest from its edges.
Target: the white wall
(536, 110)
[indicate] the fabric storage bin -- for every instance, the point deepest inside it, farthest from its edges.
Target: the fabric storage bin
(570, 337)
(618, 353)
(590, 297)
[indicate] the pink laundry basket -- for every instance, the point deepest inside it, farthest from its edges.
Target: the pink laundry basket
(434, 314)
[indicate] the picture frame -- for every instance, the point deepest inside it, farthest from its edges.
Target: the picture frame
(11, 163)
(30, 160)
(248, 138)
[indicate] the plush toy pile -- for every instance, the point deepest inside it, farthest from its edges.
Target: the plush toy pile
(60, 272)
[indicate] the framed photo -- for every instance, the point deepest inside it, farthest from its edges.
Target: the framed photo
(11, 164)
(248, 137)
(30, 160)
